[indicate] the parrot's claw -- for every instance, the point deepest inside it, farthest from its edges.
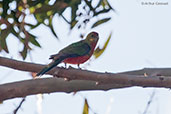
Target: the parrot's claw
(70, 67)
(63, 67)
(79, 66)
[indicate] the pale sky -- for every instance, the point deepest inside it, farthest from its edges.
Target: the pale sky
(141, 38)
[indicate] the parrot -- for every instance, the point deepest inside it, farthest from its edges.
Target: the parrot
(76, 53)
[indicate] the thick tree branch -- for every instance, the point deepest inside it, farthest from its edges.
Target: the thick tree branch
(80, 80)
(48, 85)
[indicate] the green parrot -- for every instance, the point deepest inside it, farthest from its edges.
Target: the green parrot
(76, 53)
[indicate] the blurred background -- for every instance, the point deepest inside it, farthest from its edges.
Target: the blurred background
(134, 34)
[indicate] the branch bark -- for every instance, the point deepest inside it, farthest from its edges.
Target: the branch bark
(79, 80)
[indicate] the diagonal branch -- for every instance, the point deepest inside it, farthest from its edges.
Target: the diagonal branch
(19, 106)
(79, 80)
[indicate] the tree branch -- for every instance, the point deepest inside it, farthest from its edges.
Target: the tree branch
(150, 72)
(80, 80)
(19, 106)
(48, 85)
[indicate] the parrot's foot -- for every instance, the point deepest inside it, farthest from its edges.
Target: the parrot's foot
(63, 67)
(79, 67)
(70, 67)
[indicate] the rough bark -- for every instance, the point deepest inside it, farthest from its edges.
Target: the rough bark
(79, 80)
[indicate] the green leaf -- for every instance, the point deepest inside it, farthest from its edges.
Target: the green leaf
(39, 18)
(5, 6)
(107, 3)
(74, 7)
(51, 27)
(73, 23)
(14, 33)
(89, 5)
(99, 51)
(32, 26)
(99, 3)
(86, 107)
(3, 36)
(33, 40)
(35, 2)
(100, 22)
(102, 11)
(24, 52)
(104, 3)
(32, 10)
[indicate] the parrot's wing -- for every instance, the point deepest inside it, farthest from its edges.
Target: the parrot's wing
(77, 49)
(80, 48)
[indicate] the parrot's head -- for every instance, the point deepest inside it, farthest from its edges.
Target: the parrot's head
(92, 38)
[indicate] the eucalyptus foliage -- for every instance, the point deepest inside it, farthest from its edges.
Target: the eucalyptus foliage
(13, 13)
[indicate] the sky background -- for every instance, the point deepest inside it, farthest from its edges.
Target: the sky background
(141, 38)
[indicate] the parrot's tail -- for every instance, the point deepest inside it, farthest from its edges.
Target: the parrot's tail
(50, 66)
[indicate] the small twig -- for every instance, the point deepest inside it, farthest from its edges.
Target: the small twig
(149, 102)
(19, 106)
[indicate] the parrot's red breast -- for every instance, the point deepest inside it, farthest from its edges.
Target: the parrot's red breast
(81, 59)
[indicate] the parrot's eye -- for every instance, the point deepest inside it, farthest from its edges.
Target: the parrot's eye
(92, 35)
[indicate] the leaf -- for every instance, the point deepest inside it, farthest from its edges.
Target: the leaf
(35, 3)
(101, 12)
(100, 22)
(32, 10)
(3, 36)
(49, 13)
(24, 52)
(20, 8)
(32, 26)
(14, 33)
(104, 3)
(89, 5)
(40, 17)
(98, 52)
(5, 6)
(51, 27)
(100, 2)
(73, 23)
(74, 7)
(86, 107)
(33, 40)
(107, 3)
